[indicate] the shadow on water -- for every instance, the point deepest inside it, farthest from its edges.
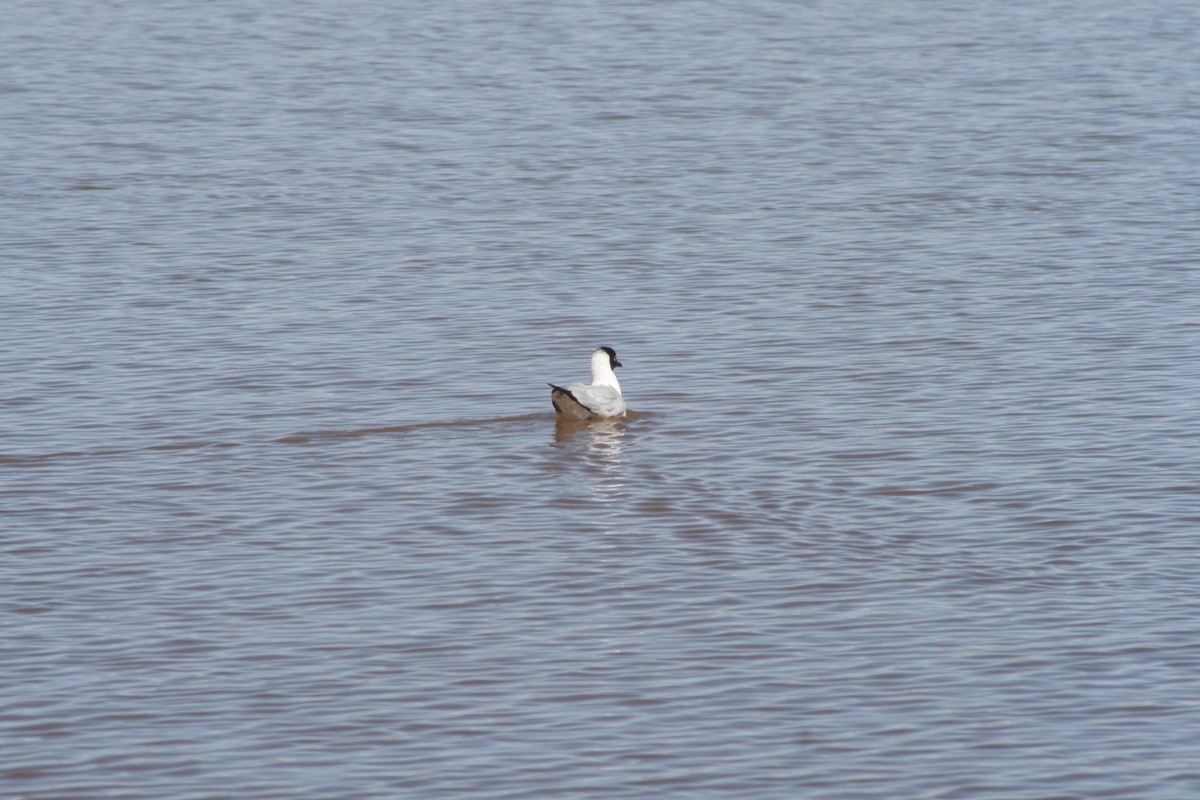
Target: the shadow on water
(310, 437)
(563, 432)
(300, 438)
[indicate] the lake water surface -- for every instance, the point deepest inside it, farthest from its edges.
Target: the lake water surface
(906, 294)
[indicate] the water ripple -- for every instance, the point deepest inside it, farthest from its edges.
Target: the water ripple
(906, 305)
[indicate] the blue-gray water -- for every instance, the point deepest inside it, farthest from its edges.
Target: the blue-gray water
(906, 294)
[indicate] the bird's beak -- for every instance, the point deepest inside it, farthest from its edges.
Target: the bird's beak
(617, 363)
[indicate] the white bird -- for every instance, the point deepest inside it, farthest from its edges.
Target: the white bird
(596, 400)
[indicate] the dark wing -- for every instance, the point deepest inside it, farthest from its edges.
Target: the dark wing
(567, 406)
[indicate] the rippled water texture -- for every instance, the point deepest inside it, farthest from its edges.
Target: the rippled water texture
(906, 298)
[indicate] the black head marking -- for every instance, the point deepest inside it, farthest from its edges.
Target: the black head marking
(612, 357)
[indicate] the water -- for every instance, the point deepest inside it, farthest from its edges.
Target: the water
(906, 298)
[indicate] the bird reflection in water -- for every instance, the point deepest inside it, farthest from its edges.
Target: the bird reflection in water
(598, 445)
(602, 437)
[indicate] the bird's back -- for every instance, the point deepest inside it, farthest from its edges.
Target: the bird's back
(604, 401)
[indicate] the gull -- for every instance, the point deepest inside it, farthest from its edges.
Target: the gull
(596, 400)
